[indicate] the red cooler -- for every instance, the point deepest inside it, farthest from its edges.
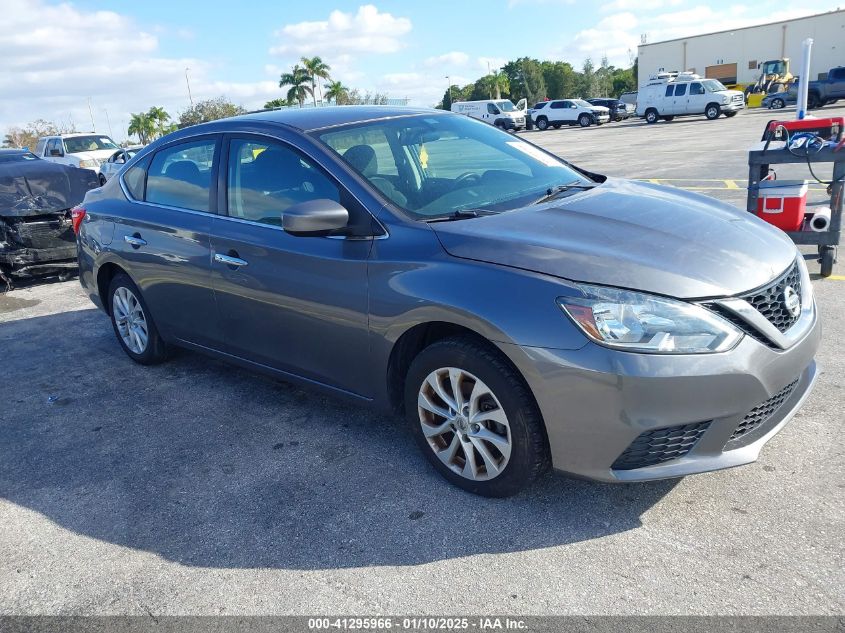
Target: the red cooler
(783, 203)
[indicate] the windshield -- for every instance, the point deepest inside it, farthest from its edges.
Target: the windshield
(435, 165)
(713, 85)
(582, 103)
(16, 157)
(91, 143)
(506, 106)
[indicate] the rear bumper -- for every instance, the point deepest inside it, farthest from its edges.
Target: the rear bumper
(596, 402)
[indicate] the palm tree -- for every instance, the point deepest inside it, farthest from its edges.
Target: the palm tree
(158, 117)
(318, 69)
(298, 80)
(337, 92)
(142, 125)
(499, 83)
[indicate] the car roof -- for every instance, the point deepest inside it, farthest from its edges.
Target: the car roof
(307, 119)
(14, 150)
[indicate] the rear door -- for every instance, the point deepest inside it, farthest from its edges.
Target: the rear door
(560, 111)
(296, 304)
(164, 237)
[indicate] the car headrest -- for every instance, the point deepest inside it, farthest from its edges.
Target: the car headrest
(186, 170)
(362, 158)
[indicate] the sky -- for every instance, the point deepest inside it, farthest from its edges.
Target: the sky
(123, 57)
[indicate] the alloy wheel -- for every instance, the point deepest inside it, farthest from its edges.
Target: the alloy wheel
(464, 423)
(130, 320)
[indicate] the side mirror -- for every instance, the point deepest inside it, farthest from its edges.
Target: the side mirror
(314, 218)
(56, 152)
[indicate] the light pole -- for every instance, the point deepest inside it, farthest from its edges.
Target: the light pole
(108, 120)
(449, 88)
(188, 83)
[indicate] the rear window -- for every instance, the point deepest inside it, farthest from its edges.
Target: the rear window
(670, 90)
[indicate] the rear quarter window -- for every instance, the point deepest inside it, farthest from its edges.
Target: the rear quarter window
(135, 178)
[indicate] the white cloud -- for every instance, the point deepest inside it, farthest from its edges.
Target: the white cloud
(57, 56)
(447, 60)
(367, 31)
(638, 5)
(516, 3)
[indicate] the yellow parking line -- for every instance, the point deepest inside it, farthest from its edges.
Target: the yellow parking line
(836, 277)
(730, 184)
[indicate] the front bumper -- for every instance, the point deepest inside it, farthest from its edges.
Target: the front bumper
(734, 106)
(601, 118)
(596, 402)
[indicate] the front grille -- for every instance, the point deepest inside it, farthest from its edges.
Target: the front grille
(42, 233)
(770, 300)
(660, 445)
(760, 414)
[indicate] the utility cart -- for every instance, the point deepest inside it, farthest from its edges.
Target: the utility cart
(759, 162)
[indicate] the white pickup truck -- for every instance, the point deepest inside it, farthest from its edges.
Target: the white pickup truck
(87, 151)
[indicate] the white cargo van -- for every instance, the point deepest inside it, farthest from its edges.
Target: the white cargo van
(668, 95)
(499, 112)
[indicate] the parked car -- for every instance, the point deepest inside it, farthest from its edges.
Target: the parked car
(668, 95)
(558, 112)
(820, 93)
(118, 159)
(35, 220)
(501, 113)
(87, 151)
(629, 98)
(779, 100)
(520, 311)
(618, 110)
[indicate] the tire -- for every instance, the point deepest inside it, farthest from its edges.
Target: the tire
(731, 114)
(522, 436)
(778, 104)
(827, 258)
(125, 305)
(814, 101)
(542, 123)
(712, 111)
(556, 125)
(102, 180)
(585, 120)
(651, 116)
(501, 126)
(668, 117)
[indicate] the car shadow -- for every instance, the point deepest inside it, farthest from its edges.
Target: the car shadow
(213, 466)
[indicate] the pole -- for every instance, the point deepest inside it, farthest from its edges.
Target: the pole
(108, 120)
(449, 88)
(188, 83)
(91, 113)
(804, 79)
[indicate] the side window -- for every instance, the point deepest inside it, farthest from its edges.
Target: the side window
(558, 105)
(696, 89)
(54, 144)
(39, 147)
(264, 179)
(492, 109)
(837, 73)
(134, 178)
(180, 176)
(680, 90)
(669, 90)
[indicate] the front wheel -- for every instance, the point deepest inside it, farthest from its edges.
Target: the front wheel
(585, 120)
(651, 116)
(474, 418)
(713, 111)
(778, 104)
(135, 330)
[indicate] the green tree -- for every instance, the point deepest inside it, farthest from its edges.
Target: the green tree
(277, 103)
(28, 136)
(560, 78)
(142, 126)
(159, 117)
(337, 92)
(209, 110)
(525, 76)
(317, 69)
(298, 79)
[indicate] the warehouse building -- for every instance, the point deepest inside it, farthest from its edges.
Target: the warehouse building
(733, 56)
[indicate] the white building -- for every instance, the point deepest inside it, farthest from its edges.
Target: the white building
(732, 56)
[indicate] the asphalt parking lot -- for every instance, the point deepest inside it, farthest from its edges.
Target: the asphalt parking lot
(198, 488)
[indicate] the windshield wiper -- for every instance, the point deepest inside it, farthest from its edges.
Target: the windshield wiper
(458, 214)
(553, 192)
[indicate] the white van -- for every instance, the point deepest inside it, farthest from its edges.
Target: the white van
(499, 112)
(668, 95)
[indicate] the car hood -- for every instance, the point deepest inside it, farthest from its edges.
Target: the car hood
(600, 109)
(99, 154)
(630, 235)
(40, 187)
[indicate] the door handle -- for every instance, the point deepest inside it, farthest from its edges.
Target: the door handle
(229, 260)
(134, 240)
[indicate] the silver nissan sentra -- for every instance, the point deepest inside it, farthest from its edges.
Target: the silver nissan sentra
(521, 312)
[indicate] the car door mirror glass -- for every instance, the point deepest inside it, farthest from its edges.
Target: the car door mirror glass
(315, 218)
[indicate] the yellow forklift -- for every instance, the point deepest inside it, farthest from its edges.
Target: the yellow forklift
(774, 77)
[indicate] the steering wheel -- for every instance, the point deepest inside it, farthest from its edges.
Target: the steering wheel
(467, 177)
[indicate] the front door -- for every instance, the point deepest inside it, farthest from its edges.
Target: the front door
(296, 304)
(698, 98)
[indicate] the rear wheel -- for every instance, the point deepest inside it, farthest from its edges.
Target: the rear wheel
(827, 258)
(474, 418)
(668, 117)
(778, 104)
(814, 101)
(731, 114)
(542, 123)
(135, 330)
(713, 111)
(651, 116)
(585, 120)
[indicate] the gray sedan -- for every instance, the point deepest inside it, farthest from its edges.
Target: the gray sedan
(520, 312)
(116, 161)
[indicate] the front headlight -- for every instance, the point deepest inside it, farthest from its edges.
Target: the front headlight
(638, 322)
(89, 164)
